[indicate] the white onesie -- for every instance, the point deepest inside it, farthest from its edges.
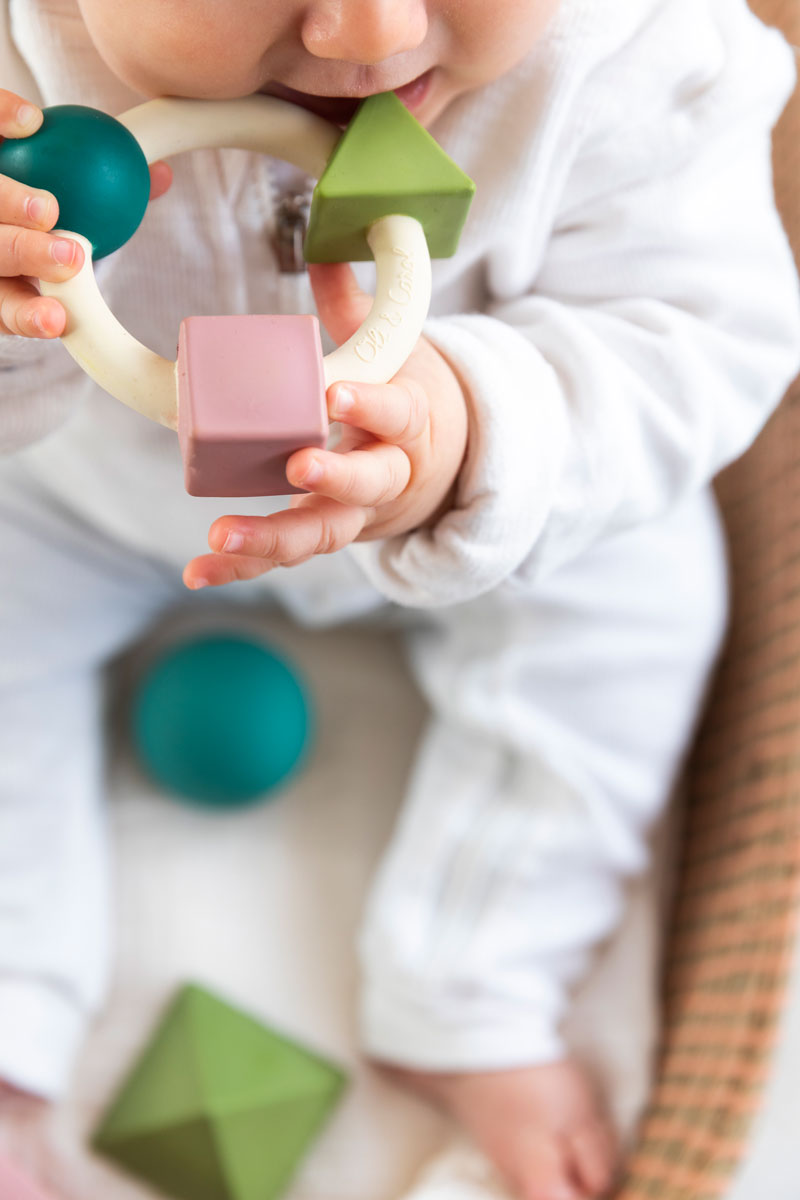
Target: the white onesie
(624, 309)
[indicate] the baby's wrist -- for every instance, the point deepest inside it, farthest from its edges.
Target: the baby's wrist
(444, 508)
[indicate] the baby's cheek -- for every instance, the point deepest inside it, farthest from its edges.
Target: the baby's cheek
(171, 47)
(490, 39)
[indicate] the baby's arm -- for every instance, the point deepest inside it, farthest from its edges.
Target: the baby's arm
(647, 348)
(661, 331)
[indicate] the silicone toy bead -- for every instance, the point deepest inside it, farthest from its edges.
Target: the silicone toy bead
(251, 389)
(219, 1107)
(386, 162)
(94, 167)
(221, 720)
(16, 1186)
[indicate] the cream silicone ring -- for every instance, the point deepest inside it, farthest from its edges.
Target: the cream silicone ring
(144, 380)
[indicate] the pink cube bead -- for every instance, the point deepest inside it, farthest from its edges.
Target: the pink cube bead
(251, 391)
(16, 1186)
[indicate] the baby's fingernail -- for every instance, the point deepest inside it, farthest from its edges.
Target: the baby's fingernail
(64, 252)
(38, 207)
(233, 543)
(313, 472)
(194, 584)
(27, 116)
(343, 401)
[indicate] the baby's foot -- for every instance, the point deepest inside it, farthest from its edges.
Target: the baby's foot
(542, 1127)
(32, 1141)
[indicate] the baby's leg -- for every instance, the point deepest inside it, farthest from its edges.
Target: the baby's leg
(561, 715)
(70, 599)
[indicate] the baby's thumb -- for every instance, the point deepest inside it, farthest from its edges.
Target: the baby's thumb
(341, 304)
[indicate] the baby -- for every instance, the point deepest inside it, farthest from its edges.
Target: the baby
(529, 497)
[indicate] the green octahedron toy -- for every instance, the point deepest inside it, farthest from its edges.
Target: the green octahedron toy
(384, 163)
(218, 1107)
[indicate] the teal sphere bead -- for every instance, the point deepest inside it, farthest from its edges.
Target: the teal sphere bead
(221, 721)
(94, 167)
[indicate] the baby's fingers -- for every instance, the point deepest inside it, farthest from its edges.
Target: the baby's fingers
(396, 412)
(27, 252)
(26, 207)
(25, 255)
(371, 476)
(18, 117)
(27, 314)
(215, 570)
(283, 539)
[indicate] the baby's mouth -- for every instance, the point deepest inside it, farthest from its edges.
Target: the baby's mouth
(341, 109)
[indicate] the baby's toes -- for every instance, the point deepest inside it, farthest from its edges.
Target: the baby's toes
(544, 1171)
(595, 1157)
(63, 1173)
(33, 1140)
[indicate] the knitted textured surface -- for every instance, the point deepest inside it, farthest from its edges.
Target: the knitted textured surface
(736, 916)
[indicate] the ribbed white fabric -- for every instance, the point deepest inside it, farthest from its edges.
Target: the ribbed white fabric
(624, 309)
(559, 727)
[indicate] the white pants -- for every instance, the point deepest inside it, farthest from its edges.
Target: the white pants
(560, 717)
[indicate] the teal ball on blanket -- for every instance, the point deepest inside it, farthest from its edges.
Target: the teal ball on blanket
(221, 720)
(93, 166)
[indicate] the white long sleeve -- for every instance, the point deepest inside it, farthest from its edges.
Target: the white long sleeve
(659, 333)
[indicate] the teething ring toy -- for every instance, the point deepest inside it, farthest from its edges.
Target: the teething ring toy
(247, 391)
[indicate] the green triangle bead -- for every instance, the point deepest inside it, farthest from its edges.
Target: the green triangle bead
(385, 163)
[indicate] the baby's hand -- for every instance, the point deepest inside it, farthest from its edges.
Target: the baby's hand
(27, 251)
(392, 472)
